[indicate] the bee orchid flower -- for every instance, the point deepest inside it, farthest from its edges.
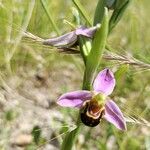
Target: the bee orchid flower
(70, 39)
(95, 105)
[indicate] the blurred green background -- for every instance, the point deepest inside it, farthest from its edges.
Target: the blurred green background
(32, 77)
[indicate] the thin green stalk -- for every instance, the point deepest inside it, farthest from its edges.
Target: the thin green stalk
(49, 16)
(85, 47)
(81, 49)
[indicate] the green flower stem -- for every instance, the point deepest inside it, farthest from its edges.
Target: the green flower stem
(85, 47)
(92, 63)
(81, 40)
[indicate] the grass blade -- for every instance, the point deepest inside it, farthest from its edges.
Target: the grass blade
(44, 5)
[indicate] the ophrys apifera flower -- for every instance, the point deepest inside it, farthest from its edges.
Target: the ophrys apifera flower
(95, 105)
(71, 38)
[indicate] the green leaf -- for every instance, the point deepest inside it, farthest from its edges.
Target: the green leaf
(98, 45)
(99, 12)
(119, 3)
(117, 14)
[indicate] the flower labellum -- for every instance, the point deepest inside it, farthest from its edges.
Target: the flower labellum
(91, 113)
(94, 105)
(70, 39)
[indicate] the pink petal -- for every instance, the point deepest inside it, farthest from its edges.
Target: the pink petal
(104, 82)
(66, 40)
(74, 99)
(114, 115)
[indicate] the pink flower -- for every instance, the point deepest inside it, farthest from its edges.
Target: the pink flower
(71, 38)
(95, 105)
